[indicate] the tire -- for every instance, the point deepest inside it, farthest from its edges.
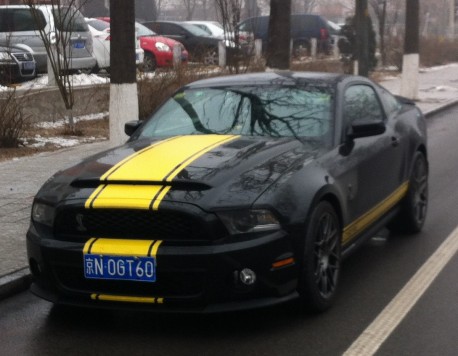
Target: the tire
(301, 49)
(411, 218)
(149, 62)
(95, 69)
(322, 258)
(211, 57)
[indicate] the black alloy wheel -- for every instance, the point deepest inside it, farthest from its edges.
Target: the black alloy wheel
(321, 265)
(412, 216)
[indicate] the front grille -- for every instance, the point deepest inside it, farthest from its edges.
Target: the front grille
(183, 284)
(22, 57)
(79, 224)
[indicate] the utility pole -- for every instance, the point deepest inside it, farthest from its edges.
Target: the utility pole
(362, 37)
(123, 78)
(451, 19)
(279, 36)
(411, 58)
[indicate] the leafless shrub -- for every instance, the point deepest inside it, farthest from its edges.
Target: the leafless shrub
(325, 65)
(153, 91)
(13, 121)
(438, 50)
(433, 51)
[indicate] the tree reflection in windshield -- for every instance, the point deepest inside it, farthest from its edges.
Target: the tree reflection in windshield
(270, 111)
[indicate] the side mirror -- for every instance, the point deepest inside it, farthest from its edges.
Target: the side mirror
(366, 129)
(131, 126)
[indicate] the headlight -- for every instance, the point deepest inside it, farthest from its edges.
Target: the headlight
(43, 214)
(243, 221)
(4, 56)
(162, 47)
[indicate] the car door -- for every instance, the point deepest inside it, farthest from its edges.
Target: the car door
(374, 162)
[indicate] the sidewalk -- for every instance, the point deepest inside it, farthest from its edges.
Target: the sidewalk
(21, 178)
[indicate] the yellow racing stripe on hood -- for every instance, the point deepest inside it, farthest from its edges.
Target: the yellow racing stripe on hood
(160, 162)
(121, 247)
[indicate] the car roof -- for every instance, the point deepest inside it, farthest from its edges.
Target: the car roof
(278, 77)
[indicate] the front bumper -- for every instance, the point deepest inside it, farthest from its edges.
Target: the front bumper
(201, 279)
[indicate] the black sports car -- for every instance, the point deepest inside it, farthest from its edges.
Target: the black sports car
(239, 192)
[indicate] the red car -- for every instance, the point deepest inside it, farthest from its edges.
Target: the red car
(158, 49)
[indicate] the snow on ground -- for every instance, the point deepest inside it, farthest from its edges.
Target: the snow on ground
(60, 123)
(63, 141)
(77, 79)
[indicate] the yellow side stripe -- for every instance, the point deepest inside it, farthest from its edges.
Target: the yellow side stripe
(127, 299)
(353, 229)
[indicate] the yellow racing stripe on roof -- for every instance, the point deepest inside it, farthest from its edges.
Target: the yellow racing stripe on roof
(160, 162)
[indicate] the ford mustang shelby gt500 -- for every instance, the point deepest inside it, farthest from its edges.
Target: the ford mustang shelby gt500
(238, 192)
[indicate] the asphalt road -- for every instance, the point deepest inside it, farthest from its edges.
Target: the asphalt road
(371, 278)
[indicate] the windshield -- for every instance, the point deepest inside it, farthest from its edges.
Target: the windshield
(142, 30)
(248, 111)
(69, 19)
(196, 31)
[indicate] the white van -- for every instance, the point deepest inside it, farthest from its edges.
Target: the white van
(21, 24)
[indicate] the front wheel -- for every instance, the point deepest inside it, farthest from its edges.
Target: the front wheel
(321, 264)
(211, 56)
(149, 62)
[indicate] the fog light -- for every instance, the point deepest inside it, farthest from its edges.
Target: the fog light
(247, 276)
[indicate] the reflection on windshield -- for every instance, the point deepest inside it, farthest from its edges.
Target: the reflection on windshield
(248, 111)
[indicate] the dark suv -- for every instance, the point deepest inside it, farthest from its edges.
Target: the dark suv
(304, 27)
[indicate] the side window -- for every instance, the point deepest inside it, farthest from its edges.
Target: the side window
(171, 29)
(361, 105)
(16, 20)
(392, 104)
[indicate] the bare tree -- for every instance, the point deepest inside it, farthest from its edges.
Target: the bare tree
(190, 6)
(379, 7)
(123, 86)
(146, 10)
(304, 6)
(251, 9)
(279, 35)
(229, 12)
(58, 46)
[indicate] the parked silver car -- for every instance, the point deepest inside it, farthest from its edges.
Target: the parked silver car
(22, 24)
(16, 63)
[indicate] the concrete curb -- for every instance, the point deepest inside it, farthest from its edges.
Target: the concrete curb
(20, 280)
(15, 282)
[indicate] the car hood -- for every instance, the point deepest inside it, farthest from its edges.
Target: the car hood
(210, 171)
(168, 41)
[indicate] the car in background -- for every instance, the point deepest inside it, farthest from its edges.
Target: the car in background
(238, 192)
(304, 27)
(213, 28)
(20, 24)
(158, 50)
(101, 37)
(16, 64)
(201, 46)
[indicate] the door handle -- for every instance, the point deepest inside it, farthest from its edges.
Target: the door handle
(394, 141)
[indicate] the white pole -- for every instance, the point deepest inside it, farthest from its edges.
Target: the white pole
(314, 48)
(221, 54)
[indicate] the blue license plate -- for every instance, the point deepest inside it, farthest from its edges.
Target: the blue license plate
(28, 65)
(130, 268)
(78, 44)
